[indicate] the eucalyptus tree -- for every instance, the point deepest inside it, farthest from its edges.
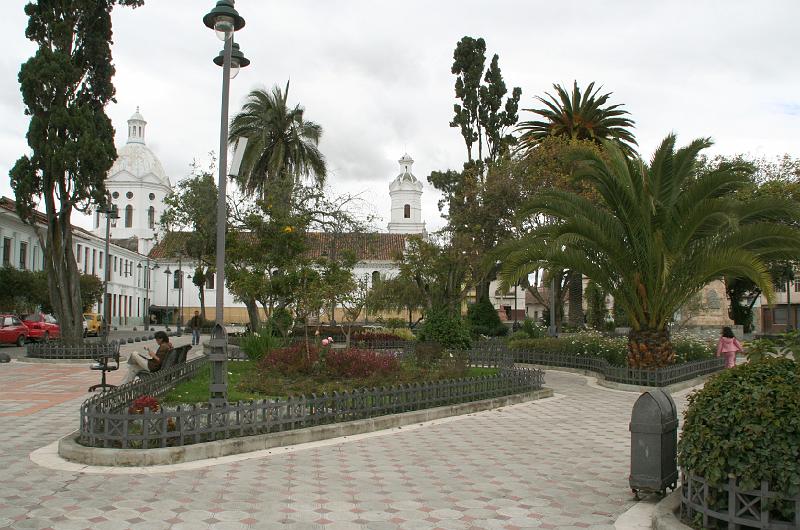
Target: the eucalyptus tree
(657, 233)
(65, 87)
(282, 146)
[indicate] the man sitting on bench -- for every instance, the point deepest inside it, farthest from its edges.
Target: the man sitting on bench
(152, 361)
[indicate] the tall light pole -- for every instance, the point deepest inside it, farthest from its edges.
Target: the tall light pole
(180, 295)
(168, 274)
(147, 269)
(224, 20)
(111, 213)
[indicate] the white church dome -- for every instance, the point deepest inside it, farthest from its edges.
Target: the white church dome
(135, 158)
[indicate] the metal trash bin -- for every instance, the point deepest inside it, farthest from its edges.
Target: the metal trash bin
(654, 443)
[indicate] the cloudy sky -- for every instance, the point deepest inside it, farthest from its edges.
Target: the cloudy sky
(376, 74)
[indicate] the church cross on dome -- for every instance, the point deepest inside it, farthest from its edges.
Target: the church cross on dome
(136, 125)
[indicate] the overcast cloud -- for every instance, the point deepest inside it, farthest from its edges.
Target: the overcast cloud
(376, 74)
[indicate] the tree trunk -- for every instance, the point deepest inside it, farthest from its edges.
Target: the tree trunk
(202, 291)
(482, 290)
(63, 278)
(252, 313)
(575, 317)
(650, 348)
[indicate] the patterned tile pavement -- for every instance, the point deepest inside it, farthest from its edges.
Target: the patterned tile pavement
(555, 463)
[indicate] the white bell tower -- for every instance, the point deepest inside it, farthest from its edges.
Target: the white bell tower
(406, 194)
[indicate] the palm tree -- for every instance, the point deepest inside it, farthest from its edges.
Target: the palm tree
(281, 146)
(578, 116)
(655, 236)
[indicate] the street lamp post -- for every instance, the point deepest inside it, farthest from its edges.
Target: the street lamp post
(168, 274)
(180, 295)
(111, 213)
(147, 269)
(224, 20)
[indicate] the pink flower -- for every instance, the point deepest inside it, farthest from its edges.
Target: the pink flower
(324, 342)
(330, 339)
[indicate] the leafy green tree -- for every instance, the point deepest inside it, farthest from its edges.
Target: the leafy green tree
(579, 116)
(192, 209)
(596, 306)
(65, 87)
(398, 294)
(26, 291)
(438, 271)
(657, 234)
(483, 319)
(281, 148)
(479, 200)
(482, 116)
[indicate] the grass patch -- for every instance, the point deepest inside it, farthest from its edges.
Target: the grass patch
(245, 383)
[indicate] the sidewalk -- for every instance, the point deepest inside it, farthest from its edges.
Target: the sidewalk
(555, 463)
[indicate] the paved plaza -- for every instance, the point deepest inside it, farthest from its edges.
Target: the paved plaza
(560, 462)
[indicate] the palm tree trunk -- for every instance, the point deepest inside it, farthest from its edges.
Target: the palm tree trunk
(650, 348)
(575, 299)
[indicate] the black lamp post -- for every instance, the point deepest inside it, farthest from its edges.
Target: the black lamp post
(147, 269)
(111, 213)
(168, 274)
(224, 20)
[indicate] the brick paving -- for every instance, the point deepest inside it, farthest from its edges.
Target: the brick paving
(554, 463)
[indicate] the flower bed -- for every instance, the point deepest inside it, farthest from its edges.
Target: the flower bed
(613, 349)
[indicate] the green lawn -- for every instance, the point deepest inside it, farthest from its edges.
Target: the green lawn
(196, 390)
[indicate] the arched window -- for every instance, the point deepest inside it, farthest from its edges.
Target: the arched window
(407, 211)
(151, 217)
(116, 214)
(176, 280)
(376, 277)
(128, 216)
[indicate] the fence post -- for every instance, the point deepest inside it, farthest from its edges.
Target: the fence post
(219, 358)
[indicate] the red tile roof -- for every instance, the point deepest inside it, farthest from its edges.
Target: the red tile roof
(374, 246)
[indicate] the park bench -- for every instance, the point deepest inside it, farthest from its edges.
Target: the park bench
(105, 362)
(174, 357)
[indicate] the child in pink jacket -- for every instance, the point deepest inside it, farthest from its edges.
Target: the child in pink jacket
(728, 346)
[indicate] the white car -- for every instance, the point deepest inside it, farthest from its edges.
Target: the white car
(234, 330)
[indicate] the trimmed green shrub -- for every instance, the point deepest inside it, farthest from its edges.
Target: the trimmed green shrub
(745, 423)
(533, 329)
(449, 331)
(483, 320)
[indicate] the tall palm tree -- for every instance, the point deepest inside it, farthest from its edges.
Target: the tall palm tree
(580, 116)
(281, 146)
(657, 234)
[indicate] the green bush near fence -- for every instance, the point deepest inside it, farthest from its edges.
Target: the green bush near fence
(612, 349)
(745, 423)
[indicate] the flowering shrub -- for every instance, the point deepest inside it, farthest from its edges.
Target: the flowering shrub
(612, 349)
(359, 363)
(291, 360)
(142, 402)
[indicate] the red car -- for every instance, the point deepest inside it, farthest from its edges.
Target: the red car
(41, 326)
(12, 330)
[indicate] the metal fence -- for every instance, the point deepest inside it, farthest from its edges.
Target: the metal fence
(729, 506)
(107, 422)
(61, 350)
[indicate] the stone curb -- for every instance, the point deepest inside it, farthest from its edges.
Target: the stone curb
(675, 387)
(664, 516)
(71, 450)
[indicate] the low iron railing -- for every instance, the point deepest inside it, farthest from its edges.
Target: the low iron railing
(61, 350)
(728, 506)
(106, 420)
(656, 377)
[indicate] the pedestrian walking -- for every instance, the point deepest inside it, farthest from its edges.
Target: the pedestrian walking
(194, 324)
(728, 346)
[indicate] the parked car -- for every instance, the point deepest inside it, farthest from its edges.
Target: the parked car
(93, 323)
(235, 330)
(12, 330)
(41, 326)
